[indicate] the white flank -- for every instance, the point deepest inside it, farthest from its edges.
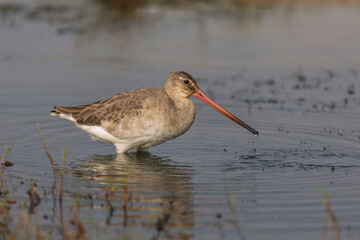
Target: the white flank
(98, 133)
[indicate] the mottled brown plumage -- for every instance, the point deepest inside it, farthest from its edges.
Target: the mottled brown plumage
(113, 109)
(142, 118)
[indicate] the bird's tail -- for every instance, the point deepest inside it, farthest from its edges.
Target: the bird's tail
(68, 113)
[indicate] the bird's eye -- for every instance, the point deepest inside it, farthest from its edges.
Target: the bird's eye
(186, 81)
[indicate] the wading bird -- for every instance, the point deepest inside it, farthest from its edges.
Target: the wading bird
(143, 118)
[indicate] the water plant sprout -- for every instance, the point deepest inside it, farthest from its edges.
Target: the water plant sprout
(6, 153)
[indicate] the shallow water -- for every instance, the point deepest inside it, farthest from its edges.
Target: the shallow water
(289, 71)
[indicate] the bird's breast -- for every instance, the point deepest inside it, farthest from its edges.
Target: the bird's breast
(181, 117)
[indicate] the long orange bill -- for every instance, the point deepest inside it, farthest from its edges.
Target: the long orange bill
(201, 96)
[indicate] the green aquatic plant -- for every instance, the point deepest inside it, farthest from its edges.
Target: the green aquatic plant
(6, 153)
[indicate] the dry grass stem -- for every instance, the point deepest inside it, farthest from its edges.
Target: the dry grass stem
(49, 156)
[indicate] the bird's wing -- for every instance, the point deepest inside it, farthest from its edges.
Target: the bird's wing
(113, 109)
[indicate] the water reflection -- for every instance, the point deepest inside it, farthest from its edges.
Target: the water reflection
(141, 187)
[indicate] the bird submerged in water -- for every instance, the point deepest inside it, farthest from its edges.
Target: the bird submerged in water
(143, 118)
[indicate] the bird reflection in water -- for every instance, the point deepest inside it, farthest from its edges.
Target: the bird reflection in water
(141, 188)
